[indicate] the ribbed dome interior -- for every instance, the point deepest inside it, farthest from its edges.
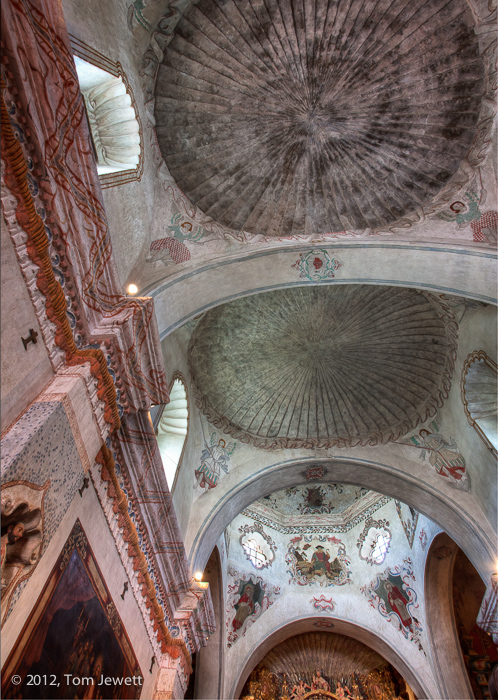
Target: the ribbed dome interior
(303, 117)
(318, 366)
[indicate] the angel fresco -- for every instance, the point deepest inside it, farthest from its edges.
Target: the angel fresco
(484, 225)
(444, 456)
(213, 459)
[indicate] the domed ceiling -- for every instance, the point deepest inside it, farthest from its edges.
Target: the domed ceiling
(322, 366)
(301, 117)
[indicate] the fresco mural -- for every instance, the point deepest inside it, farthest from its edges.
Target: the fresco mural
(442, 454)
(73, 634)
(248, 598)
(215, 458)
(317, 264)
(317, 560)
(294, 510)
(393, 595)
(484, 225)
(409, 520)
(319, 665)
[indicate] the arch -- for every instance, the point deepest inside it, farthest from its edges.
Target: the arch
(172, 428)
(479, 387)
(448, 664)
(349, 629)
(453, 511)
(211, 659)
(188, 293)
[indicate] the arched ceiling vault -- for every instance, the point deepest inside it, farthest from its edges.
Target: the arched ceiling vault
(441, 269)
(292, 118)
(390, 473)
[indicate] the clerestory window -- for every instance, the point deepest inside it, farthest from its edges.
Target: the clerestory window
(479, 394)
(112, 116)
(172, 430)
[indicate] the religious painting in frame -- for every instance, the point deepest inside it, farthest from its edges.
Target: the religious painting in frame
(74, 640)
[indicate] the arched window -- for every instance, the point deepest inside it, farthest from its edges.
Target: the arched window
(112, 116)
(172, 429)
(479, 394)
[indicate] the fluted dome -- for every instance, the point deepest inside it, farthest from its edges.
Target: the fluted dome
(289, 117)
(323, 366)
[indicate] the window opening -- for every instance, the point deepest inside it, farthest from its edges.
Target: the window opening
(380, 548)
(172, 430)
(479, 394)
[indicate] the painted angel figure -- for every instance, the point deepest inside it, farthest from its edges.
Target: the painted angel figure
(444, 456)
(213, 459)
(463, 212)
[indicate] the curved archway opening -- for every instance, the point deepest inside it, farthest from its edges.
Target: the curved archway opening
(357, 637)
(464, 654)
(449, 510)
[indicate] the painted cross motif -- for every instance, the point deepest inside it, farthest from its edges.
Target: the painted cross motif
(316, 265)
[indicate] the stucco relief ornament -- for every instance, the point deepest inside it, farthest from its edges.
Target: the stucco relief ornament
(22, 535)
(316, 265)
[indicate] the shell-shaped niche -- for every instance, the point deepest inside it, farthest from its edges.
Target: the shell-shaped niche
(112, 118)
(288, 117)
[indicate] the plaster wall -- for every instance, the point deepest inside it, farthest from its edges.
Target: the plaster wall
(25, 372)
(210, 670)
(87, 509)
(478, 331)
(394, 470)
(174, 357)
(40, 449)
(133, 208)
